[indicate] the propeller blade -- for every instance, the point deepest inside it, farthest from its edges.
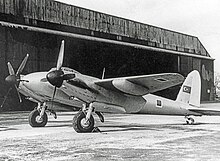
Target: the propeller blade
(54, 93)
(23, 63)
(19, 96)
(10, 69)
(6, 96)
(60, 57)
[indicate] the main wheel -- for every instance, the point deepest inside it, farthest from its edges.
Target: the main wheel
(80, 125)
(35, 121)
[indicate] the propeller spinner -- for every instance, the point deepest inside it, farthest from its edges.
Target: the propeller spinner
(56, 77)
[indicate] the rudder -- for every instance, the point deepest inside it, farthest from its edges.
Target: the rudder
(190, 91)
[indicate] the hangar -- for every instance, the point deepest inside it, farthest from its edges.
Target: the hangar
(94, 41)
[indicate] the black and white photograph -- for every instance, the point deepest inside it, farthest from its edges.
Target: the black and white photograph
(119, 80)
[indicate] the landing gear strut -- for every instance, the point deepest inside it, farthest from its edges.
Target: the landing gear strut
(38, 117)
(81, 125)
(101, 117)
(83, 121)
(189, 120)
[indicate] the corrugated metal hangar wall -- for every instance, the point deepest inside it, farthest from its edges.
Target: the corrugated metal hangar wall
(94, 41)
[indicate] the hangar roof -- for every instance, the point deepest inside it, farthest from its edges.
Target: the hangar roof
(59, 18)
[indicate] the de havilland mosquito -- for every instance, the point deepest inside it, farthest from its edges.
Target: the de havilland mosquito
(115, 95)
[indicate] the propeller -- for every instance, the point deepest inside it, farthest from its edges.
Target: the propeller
(13, 79)
(56, 77)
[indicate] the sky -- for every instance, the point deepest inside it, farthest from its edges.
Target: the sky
(200, 18)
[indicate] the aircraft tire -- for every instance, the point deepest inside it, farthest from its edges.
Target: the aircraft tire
(79, 125)
(33, 119)
(190, 121)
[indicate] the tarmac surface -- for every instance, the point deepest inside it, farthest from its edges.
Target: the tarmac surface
(122, 137)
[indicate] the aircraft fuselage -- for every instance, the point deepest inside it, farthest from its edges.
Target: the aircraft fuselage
(104, 100)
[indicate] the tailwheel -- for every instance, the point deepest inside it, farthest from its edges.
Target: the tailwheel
(81, 125)
(190, 120)
(36, 121)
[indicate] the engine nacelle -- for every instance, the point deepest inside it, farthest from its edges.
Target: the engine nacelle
(128, 87)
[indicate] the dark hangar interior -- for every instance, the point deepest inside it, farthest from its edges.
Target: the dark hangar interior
(94, 41)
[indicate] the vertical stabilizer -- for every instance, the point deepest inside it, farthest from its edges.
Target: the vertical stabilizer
(190, 91)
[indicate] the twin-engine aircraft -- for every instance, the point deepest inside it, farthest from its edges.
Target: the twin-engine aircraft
(116, 95)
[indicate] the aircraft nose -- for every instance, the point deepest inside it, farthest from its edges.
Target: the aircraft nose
(27, 81)
(32, 81)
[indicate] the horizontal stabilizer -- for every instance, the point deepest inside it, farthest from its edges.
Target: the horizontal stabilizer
(206, 111)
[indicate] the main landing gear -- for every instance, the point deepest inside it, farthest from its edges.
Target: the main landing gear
(38, 117)
(83, 121)
(189, 120)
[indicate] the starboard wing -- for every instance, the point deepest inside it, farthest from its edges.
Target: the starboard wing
(141, 85)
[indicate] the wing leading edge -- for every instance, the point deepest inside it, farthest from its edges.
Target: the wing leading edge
(141, 85)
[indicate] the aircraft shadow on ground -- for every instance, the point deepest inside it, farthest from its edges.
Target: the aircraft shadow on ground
(204, 123)
(67, 123)
(153, 127)
(134, 127)
(63, 125)
(7, 129)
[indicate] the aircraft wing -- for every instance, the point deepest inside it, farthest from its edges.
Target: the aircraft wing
(141, 85)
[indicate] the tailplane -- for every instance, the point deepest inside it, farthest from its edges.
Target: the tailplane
(191, 89)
